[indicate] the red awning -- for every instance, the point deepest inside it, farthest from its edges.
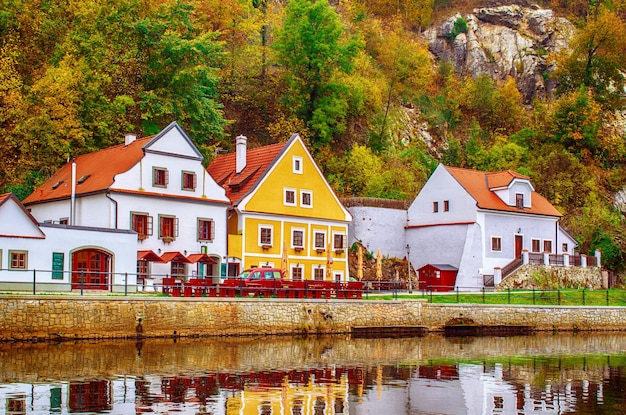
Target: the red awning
(201, 258)
(148, 255)
(174, 256)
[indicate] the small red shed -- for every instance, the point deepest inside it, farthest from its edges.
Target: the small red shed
(437, 277)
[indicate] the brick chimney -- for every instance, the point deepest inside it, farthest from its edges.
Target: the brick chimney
(240, 148)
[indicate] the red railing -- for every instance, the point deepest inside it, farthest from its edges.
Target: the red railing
(198, 287)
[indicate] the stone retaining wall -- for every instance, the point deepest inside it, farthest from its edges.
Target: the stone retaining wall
(63, 317)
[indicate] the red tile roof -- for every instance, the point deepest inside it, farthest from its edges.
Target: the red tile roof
(99, 168)
(258, 161)
(479, 185)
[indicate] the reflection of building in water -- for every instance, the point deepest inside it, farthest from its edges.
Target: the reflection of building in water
(452, 389)
(310, 392)
(470, 389)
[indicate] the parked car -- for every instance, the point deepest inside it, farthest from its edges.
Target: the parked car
(256, 275)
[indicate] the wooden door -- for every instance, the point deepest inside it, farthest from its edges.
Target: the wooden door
(519, 242)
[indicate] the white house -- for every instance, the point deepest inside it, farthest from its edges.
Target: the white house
(477, 221)
(61, 257)
(155, 186)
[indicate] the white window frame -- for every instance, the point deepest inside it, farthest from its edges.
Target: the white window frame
(271, 228)
(295, 196)
(532, 243)
(293, 230)
(316, 268)
(337, 275)
(296, 160)
(314, 241)
(543, 246)
(298, 266)
(345, 241)
(491, 243)
(306, 192)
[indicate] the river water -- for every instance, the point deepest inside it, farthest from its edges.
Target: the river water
(539, 374)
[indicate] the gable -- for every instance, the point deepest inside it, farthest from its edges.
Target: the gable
(496, 191)
(440, 189)
(173, 140)
(16, 220)
(307, 183)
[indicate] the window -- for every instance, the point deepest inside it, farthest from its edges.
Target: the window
(306, 198)
(189, 180)
(290, 197)
(64, 221)
(519, 200)
(142, 268)
(206, 230)
(296, 273)
(547, 246)
(168, 228)
(565, 248)
(265, 235)
(446, 205)
(297, 238)
(437, 274)
(83, 178)
(297, 165)
(318, 274)
(178, 269)
(320, 240)
(142, 224)
(339, 241)
(435, 207)
(160, 177)
(496, 244)
(535, 245)
(19, 259)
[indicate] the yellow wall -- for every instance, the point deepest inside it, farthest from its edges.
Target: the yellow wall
(269, 196)
(266, 207)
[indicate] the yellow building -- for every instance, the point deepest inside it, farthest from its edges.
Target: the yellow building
(283, 213)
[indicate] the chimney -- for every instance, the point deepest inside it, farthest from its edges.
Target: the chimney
(129, 138)
(240, 153)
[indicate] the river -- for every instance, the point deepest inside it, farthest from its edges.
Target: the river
(539, 374)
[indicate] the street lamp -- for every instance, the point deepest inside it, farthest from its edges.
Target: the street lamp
(408, 260)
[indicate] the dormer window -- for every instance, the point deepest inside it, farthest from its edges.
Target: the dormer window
(519, 200)
(57, 184)
(83, 178)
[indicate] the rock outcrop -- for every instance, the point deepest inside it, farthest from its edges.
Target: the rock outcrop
(501, 42)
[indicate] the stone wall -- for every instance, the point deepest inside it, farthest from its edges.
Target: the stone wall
(35, 318)
(549, 277)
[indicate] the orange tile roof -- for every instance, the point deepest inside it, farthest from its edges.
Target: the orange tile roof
(100, 168)
(258, 161)
(479, 185)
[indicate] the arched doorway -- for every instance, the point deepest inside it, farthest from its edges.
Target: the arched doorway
(91, 269)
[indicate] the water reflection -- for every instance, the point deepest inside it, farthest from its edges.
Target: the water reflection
(543, 374)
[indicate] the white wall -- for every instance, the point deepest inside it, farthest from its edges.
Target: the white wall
(61, 238)
(379, 228)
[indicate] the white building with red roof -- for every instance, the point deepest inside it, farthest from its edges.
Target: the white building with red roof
(38, 257)
(478, 222)
(156, 186)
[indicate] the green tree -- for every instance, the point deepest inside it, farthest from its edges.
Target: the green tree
(180, 81)
(312, 48)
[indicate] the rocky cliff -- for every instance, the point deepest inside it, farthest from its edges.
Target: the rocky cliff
(503, 41)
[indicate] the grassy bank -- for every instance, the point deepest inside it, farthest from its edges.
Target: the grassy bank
(533, 297)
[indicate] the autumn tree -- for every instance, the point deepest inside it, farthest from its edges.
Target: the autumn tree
(596, 60)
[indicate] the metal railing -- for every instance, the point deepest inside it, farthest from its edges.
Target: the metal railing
(560, 297)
